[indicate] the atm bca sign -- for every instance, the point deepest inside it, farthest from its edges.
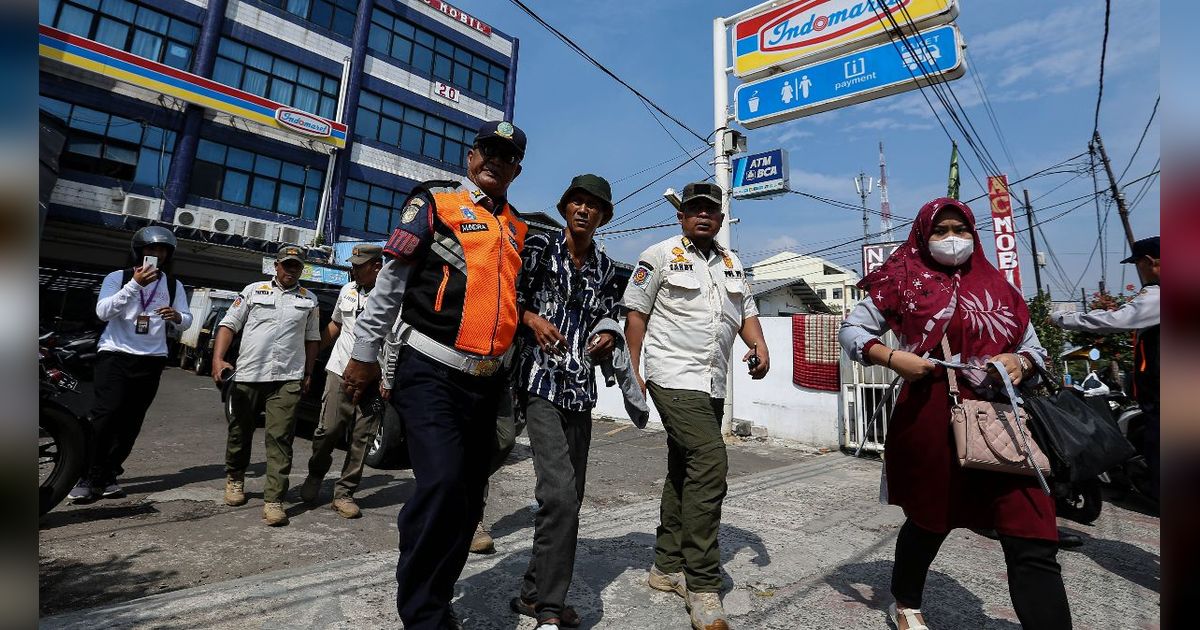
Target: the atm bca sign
(760, 174)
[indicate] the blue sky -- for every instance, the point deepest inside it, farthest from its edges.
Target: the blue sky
(1038, 63)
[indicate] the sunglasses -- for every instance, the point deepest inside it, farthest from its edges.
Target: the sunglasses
(505, 155)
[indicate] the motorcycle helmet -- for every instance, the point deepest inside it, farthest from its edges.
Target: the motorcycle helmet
(152, 235)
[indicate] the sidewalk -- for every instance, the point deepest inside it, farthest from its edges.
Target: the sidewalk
(805, 546)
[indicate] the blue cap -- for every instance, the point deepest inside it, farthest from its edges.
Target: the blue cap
(1144, 247)
(504, 131)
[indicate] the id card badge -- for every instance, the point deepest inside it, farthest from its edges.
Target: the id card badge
(141, 326)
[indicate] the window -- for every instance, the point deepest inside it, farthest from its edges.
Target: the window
(127, 25)
(821, 293)
(437, 57)
(335, 15)
(109, 145)
(837, 294)
(412, 130)
(371, 208)
(276, 78)
(249, 179)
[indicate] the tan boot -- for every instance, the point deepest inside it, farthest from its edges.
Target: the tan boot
(660, 580)
(273, 514)
(482, 541)
(235, 490)
(346, 507)
(706, 611)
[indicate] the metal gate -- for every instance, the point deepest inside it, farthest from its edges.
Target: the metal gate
(862, 390)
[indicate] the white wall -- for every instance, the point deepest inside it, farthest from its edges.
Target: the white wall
(788, 411)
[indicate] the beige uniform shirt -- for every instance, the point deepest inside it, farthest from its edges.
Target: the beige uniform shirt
(274, 323)
(696, 306)
(351, 301)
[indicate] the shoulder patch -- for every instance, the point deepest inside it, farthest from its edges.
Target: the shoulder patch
(641, 274)
(401, 244)
(411, 210)
(237, 302)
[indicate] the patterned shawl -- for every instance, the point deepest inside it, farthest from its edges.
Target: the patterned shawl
(918, 296)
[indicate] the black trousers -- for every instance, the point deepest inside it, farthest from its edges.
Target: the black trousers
(1034, 576)
(450, 428)
(125, 385)
(560, 439)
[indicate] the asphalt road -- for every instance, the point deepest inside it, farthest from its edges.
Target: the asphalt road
(805, 544)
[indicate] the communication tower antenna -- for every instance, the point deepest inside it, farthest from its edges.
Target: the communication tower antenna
(885, 206)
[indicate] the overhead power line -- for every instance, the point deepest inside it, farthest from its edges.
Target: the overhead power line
(1103, 54)
(592, 60)
(1142, 139)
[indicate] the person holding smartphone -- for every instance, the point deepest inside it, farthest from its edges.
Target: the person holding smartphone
(687, 299)
(139, 304)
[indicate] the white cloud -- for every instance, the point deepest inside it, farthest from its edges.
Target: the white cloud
(835, 186)
(888, 124)
(782, 241)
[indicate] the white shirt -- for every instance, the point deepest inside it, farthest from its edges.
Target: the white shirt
(696, 306)
(277, 323)
(350, 303)
(120, 306)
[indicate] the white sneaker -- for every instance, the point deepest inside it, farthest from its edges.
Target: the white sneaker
(913, 619)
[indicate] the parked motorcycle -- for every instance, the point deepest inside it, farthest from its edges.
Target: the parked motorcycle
(62, 435)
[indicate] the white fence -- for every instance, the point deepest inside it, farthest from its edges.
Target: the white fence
(786, 410)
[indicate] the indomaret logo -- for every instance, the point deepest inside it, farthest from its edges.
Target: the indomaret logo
(821, 20)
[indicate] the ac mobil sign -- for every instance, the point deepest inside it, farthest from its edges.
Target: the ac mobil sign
(810, 30)
(303, 122)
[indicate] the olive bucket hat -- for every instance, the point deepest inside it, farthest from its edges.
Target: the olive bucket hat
(591, 184)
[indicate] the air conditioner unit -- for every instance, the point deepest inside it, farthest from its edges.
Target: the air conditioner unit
(289, 234)
(211, 221)
(187, 218)
(139, 206)
(256, 229)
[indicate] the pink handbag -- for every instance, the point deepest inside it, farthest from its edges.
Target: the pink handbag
(988, 436)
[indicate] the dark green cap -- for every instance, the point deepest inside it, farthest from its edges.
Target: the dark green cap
(594, 185)
(290, 252)
(365, 253)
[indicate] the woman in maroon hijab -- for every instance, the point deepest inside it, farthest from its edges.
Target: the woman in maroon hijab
(940, 284)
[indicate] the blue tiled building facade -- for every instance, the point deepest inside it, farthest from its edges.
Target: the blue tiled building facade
(419, 77)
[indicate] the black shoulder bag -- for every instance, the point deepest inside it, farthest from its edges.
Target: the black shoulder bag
(1080, 441)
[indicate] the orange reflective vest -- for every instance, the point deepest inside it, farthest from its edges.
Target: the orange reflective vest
(463, 292)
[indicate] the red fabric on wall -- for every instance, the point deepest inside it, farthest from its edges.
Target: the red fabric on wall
(815, 351)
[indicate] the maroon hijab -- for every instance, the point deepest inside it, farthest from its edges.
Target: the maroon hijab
(918, 295)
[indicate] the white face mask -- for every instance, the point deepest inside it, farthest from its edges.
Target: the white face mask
(952, 251)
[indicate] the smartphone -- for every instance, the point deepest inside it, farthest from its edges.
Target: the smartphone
(150, 262)
(753, 361)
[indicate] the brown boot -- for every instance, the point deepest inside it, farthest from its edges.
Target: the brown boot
(273, 514)
(346, 507)
(235, 490)
(482, 541)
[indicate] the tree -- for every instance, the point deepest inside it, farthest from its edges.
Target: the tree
(1116, 348)
(1053, 338)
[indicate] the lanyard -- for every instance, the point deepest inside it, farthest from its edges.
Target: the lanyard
(142, 295)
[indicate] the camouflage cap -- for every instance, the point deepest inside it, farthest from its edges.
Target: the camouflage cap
(290, 252)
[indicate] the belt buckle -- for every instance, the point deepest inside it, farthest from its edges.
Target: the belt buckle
(485, 367)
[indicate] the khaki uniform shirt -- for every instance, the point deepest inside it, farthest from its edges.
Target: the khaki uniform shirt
(274, 323)
(696, 306)
(351, 301)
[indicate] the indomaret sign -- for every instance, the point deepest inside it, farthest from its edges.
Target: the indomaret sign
(1007, 260)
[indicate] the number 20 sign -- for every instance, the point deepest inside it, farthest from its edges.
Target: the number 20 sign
(447, 92)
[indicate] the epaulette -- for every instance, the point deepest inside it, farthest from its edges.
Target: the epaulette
(435, 186)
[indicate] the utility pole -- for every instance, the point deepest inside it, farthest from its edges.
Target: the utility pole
(1083, 299)
(1116, 190)
(864, 184)
(1037, 269)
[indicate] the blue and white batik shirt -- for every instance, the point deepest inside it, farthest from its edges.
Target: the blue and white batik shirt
(574, 300)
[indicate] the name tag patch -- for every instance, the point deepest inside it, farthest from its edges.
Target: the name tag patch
(473, 227)
(683, 266)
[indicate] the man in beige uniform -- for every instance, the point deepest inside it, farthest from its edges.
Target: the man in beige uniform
(280, 325)
(687, 299)
(338, 414)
